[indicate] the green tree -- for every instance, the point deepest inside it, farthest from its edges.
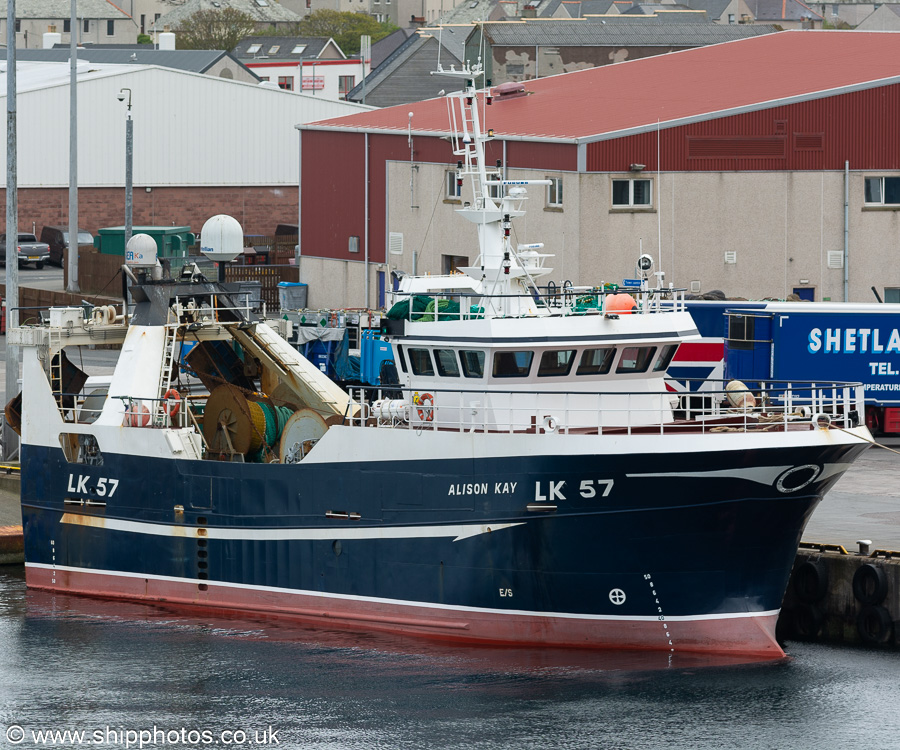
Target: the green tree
(345, 28)
(215, 29)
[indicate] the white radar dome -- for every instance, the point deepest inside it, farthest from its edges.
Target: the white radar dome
(140, 252)
(222, 238)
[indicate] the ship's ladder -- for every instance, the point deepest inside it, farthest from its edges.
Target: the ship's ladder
(55, 353)
(161, 416)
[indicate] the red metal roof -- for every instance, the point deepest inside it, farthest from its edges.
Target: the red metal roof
(676, 88)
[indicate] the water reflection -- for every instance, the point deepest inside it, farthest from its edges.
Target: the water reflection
(89, 663)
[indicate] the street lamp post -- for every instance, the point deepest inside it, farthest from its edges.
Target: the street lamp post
(129, 162)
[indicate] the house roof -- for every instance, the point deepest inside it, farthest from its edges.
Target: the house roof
(623, 32)
(61, 9)
(313, 46)
(263, 11)
(191, 60)
(781, 10)
(415, 81)
(386, 46)
(714, 8)
(669, 90)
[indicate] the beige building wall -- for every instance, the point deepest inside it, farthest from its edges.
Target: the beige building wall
(779, 226)
(31, 32)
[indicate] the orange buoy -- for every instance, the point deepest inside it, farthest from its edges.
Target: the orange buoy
(621, 304)
(137, 417)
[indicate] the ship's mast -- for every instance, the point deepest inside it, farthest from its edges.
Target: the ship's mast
(500, 269)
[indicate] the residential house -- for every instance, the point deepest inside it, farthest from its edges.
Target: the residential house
(885, 18)
(314, 65)
(99, 21)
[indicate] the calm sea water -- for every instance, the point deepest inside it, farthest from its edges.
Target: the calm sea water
(111, 670)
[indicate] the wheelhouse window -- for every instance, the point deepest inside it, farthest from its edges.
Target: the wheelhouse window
(472, 363)
(635, 358)
(556, 363)
(596, 361)
(665, 358)
(420, 361)
(445, 359)
(512, 364)
(400, 358)
(883, 191)
(555, 192)
(454, 189)
(632, 193)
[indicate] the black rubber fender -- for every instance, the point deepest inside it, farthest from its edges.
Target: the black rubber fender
(874, 624)
(870, 584)
(811, 581)
(807, 621)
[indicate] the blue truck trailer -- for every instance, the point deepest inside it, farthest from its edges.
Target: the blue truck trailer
(795, 341)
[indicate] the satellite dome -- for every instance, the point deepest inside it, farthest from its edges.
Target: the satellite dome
(140, 252)
(222, 238)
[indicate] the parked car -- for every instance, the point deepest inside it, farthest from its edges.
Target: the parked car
(30, 250)
(58, 240)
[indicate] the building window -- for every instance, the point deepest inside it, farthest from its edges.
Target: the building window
(18, 25)
(891, 294)
(254, 49)
(454, 189)
(286, 83)
(67, 25)
(110, 28)
(309, 3)
(632, 193)
(143, 17)
(156, 17)
(353, 244)
(345, 85)
(87, 25)
(298, 49)
(555, 192)
(731, 18)
(883, 191)
(273, 50)
(264, 78)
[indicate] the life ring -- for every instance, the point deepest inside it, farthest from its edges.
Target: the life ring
(425, 411)
(172, 395)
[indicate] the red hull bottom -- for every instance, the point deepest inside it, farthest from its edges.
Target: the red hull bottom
(747, 635)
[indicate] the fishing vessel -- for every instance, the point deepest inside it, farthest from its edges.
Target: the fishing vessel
(528, 478)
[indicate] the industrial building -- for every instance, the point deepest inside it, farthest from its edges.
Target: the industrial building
(729, 164)
(203, 145)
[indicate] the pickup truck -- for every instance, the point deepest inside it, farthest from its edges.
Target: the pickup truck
(30, 250)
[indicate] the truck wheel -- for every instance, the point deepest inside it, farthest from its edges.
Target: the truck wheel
(39, 265)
